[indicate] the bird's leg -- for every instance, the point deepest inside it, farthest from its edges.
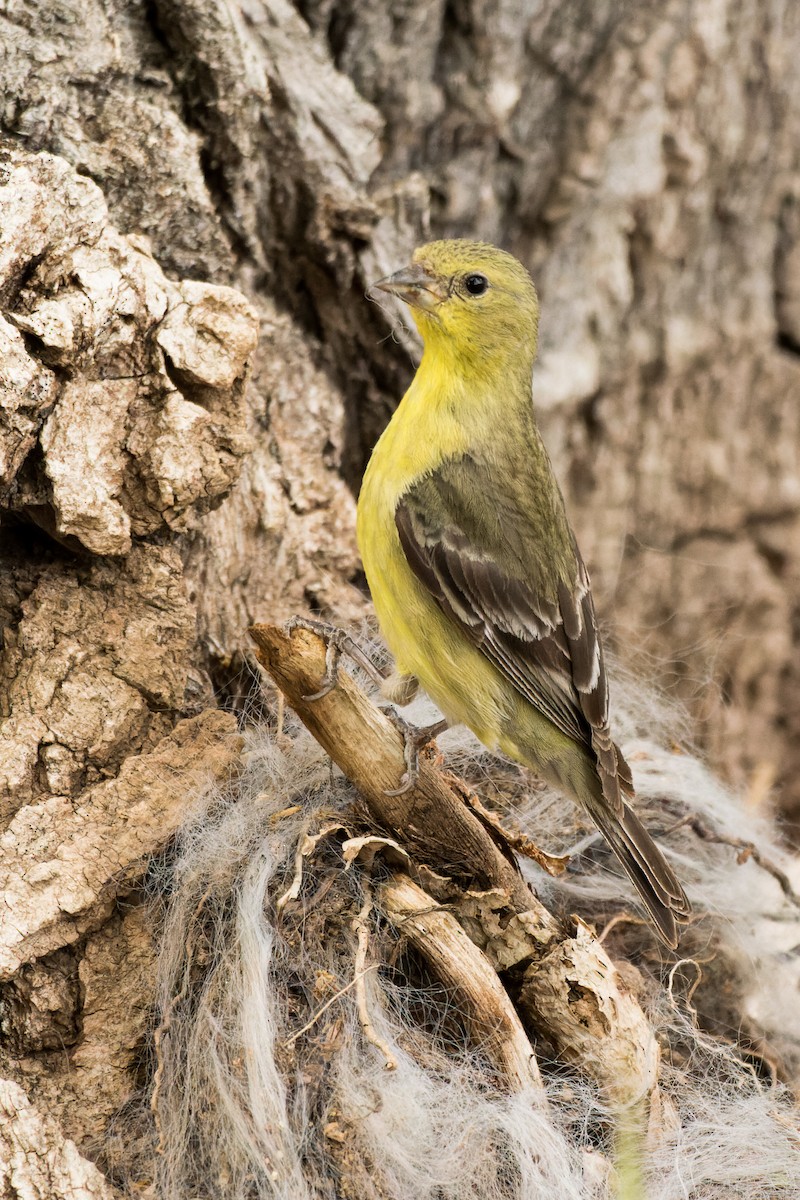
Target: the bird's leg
(394, 686)
(337, 643)
(413, 741)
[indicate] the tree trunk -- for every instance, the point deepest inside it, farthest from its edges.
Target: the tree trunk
(194, 199)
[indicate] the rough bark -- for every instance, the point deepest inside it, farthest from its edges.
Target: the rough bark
(35, 1159)
(193, 200)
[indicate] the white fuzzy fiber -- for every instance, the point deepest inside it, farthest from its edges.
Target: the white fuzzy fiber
(244, 1112)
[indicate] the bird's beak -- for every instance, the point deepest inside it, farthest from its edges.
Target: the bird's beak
(415, 285)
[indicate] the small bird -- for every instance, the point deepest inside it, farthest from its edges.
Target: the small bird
(478, 584)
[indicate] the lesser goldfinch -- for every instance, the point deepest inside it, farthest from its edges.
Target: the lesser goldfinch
(477, 580)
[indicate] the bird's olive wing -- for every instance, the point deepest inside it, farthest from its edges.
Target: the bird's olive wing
(520, 591)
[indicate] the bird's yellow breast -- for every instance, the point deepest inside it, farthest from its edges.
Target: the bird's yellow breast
(422, 432)
(424, 642)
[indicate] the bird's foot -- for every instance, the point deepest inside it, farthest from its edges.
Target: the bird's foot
(337, 642)
(414, 739)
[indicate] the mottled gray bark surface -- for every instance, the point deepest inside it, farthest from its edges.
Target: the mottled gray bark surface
(194, 198)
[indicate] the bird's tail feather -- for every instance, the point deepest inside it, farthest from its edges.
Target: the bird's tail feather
(648, 870)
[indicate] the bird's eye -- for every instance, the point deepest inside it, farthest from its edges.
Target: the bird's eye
(476, 285)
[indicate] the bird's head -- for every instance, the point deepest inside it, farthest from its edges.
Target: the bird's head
(469, 300)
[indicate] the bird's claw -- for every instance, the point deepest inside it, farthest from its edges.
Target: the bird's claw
(411, 748)
(334, 639)
(414, 739)
(337, 642)
(410, 780)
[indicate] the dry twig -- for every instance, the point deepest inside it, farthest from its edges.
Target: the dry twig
(361, 929)
(461, 966)
(746, 850)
